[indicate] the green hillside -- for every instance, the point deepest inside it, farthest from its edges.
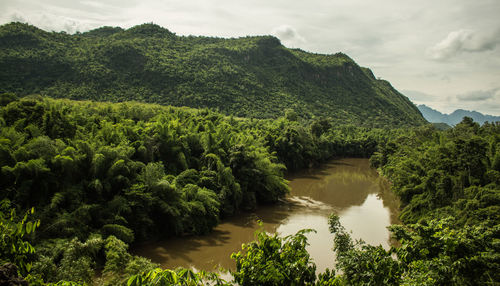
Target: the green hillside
(247, 77)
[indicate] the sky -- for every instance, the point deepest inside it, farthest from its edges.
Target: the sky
(445, 54)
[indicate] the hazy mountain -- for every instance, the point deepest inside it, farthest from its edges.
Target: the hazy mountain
(249, 76)
(455, 117)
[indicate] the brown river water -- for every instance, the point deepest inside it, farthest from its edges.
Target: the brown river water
(348, 187)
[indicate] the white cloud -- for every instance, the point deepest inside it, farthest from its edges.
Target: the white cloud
(53, 22)
(464, 41)
(288, 35)
(480, 95)
(94, 4)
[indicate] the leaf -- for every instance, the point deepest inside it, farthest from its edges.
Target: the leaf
(135, 280)
(29, 227)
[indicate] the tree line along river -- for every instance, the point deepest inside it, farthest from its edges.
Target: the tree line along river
(348, 187)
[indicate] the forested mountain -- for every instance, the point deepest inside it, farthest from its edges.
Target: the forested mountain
(245, 77)
(456, 116)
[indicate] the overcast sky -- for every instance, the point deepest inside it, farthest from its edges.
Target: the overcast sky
(445, 54)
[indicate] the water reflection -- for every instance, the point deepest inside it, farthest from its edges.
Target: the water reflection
(348, 187)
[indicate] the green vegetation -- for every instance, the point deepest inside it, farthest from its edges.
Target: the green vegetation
(449, 186)
(124, 169)
(432, 252)
(13, 234)
(245, 77)
(103, 176)
(453, 173)
(448, 183)
(184, 277)
(271, 260)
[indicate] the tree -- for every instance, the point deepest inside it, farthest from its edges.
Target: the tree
(272, 260)
(362, 264)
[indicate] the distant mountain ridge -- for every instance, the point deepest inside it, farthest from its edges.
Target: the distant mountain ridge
(455, 117)
(247, 77)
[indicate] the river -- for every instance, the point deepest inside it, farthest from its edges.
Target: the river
(348, 187)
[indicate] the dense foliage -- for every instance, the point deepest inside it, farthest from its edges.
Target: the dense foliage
(272, 260)
(449, 186)
(433, 252)
(127, 169)
(132, 171)
(450, 173)
(250, 76)
(448, 182)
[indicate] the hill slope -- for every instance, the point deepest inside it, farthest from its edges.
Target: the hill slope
(455, 117)
(251, 76)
